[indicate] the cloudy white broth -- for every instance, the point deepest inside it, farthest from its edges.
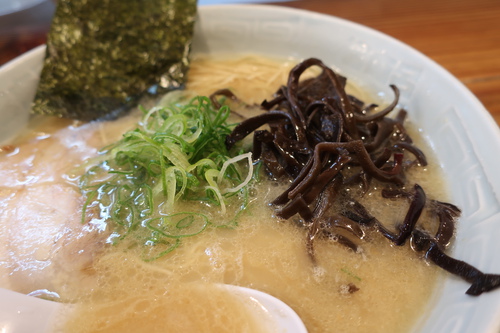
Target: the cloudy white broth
(46, 251)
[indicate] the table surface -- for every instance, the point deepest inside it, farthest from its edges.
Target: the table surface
(463, 36)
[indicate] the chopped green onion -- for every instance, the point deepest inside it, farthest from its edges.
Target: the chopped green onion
(177, 154)
(351, 274)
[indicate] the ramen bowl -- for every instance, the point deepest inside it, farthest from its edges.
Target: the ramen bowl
(458, 128)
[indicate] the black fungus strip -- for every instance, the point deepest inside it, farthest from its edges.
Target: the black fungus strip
(383, 130)
(397, 164)
(296, 206)
(479, 281)
(339, 221)
(357, 147)
(327, 197)
(312, 232)
(406, 228)
(383, 113)
(447, 213)
(285, 146)
(419, 155)
(272, 163)
(327, 145)
(248, 126)
(341, 239)
(284, 197)
(222, 92)
(260, 137)
(325, 177)
(357, 212)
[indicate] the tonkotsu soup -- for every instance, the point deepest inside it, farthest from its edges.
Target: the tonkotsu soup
(47, 251)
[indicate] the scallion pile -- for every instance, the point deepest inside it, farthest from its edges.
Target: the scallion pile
(176, 159)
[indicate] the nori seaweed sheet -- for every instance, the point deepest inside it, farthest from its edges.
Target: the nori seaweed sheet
(102, 55)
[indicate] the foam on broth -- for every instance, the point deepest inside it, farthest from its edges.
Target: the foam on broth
(177, 293)
(269, 256)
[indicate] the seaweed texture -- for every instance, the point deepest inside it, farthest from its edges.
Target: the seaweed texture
(102, 55)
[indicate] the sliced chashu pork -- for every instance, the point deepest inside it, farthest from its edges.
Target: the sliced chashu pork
(43, 243)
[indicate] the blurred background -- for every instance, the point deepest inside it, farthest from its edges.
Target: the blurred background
(25, 23)
(463, 36)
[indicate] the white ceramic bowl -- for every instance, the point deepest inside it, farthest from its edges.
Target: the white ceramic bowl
(13, 6)
(460, 130)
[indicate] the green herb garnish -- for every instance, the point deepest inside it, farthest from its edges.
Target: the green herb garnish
(103, 54)
(175, 160)
(351, 274)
